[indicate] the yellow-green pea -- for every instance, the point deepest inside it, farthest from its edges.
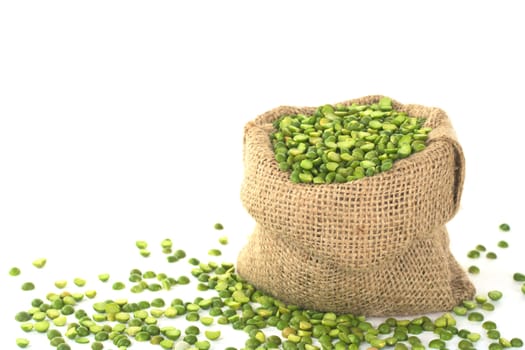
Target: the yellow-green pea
(39, 263)
(22, 342)
(60, 321)
(103, 277)
(41, 326)
(26, 286)
(141, 244)
(80, 282)
(60, 284)
(495, 295)
(27, 326)
(166, 243)
(14, 271)
(212, 335)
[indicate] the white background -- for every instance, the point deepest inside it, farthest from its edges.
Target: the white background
(123, 120)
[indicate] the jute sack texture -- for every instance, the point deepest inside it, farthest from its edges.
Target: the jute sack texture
(376, 246)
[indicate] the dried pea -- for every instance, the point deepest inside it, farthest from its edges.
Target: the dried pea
(473, 269)
(145, 253)
(23, 316)
(60, 284)
(39, 263)
(345, 143)
(504, 227)
(481, 248)
(503, 244)
(519, 277)
(118, 286)
(80, 282)
(214, 252)
(212, 335)
(26, 286)
(179, 254)
(475, 316)
(166, 243)
(495, 295)
(41, 326)
(141, 244)
(14, 271)
(473, 254)
(491, 255)
(22, 342)
(97, 346)
(103, 277)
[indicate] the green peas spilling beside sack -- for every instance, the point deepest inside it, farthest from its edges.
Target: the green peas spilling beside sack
(344, 143)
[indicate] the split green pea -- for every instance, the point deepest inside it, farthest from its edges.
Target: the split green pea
(344, 143)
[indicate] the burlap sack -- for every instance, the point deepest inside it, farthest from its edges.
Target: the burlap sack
(377, 246)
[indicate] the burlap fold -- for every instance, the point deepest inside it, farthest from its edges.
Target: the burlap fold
(376, 246)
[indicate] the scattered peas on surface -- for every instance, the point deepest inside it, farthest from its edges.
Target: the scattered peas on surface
(121, 322)
(218, 226)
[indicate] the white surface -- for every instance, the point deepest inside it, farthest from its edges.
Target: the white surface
(123, 120)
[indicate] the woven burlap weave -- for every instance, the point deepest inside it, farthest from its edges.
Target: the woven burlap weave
(377, 246)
